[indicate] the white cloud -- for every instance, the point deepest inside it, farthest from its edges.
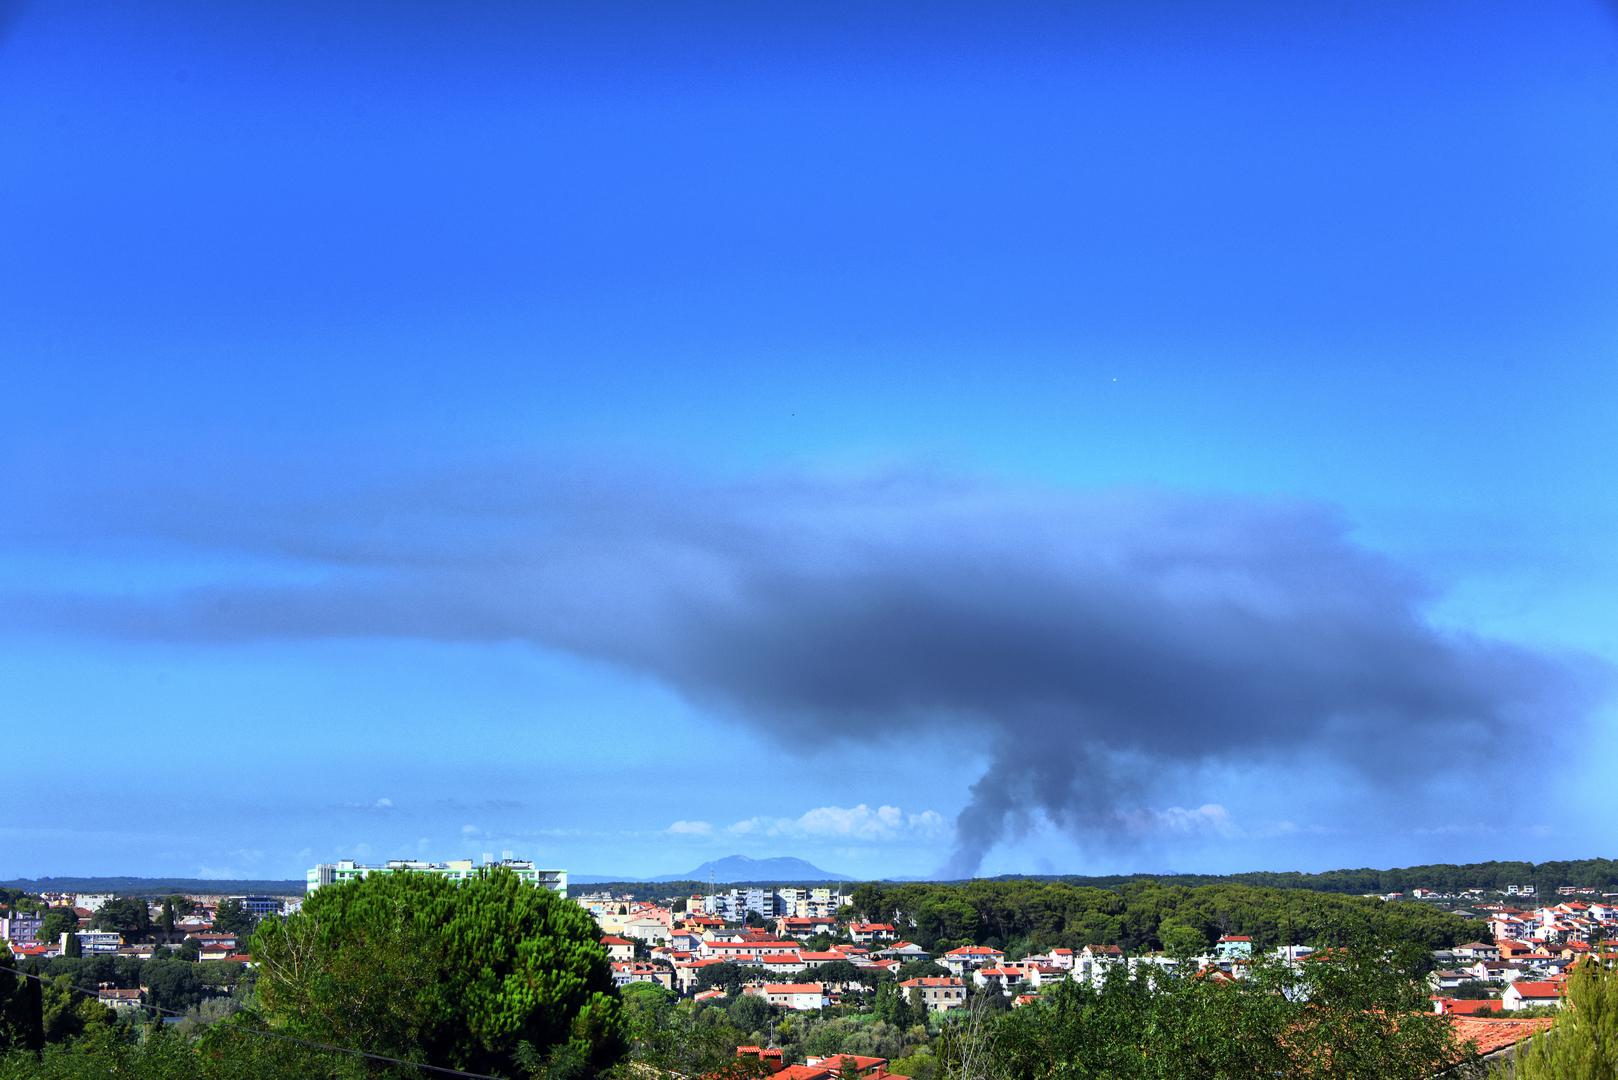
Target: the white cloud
(690, 828)
(470, 830)
(379, 806)
(860, 822)
(1209, 818)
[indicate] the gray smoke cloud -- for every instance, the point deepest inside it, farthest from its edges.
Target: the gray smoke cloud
(1083, 641)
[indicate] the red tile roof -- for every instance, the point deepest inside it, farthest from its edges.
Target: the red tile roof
(1496, 1034)
(1541, 991)
(1460, 1007)
(860, 1062)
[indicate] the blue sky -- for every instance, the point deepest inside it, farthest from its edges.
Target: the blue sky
(435, 432)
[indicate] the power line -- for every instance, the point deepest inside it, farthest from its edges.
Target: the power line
(443, 1070)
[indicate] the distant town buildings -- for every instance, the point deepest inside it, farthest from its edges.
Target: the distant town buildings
(21, 928)
(455, 870)
(260, 906)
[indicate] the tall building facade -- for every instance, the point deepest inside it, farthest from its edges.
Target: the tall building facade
(455, 870)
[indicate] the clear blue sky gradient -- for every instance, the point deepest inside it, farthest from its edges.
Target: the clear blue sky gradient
(1365, 256)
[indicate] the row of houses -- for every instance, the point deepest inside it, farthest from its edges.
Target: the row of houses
(1554, 924)
(832, 1067)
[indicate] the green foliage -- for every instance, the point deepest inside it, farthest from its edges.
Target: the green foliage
(729, 977)
(1584, 1041)
(837, 972)
(920, 969)
(126, 916)
(1179, 940)
(172, 984)
(749, 1012)
(20, 1008)
(921, 1065)
(66, 1014)
(1139, 915)
(1346, 1015)
(459, 974)
(230, 917)
(1473, 990)
(893, 1007)
(682, 1039)
(56, 922)
(1444, 877)
(227, 1052)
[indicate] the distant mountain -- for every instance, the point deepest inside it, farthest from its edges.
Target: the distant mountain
(735, 868)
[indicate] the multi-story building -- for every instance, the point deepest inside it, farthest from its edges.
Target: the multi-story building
(734, 905)
(824, 902)
(792, 901)
(937, 993)
(455, 870)
(21, 928)
(260, 906)
(94, 941)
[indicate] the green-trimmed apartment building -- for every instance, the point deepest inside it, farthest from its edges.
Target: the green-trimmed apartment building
(455, 869)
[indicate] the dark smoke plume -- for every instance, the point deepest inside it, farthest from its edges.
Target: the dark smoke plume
(1082, 640)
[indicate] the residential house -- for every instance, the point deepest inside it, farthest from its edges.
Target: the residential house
(969, 958)
(1477, 950)
(798, 996)
(625, 972)
(1524, 994)
(737, 949)
(857, 1064)
(938, 993)
(118, 1000)
(1445, 1006)
(618, 948)
(904, 952)
(804, 927)
(782, 964)
(813, 960)
(1002, 978)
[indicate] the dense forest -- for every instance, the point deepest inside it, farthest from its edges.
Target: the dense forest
(1443, 877)
(1030, 916)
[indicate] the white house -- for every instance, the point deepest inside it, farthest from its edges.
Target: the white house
(800, 996)
(1523, 995)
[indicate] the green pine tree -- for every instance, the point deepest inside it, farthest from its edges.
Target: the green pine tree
(1584, 1043)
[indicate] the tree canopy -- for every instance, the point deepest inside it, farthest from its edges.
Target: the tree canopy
(1345, 1014)
(479, 975)
(1584, 1042)
(1031, 915)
